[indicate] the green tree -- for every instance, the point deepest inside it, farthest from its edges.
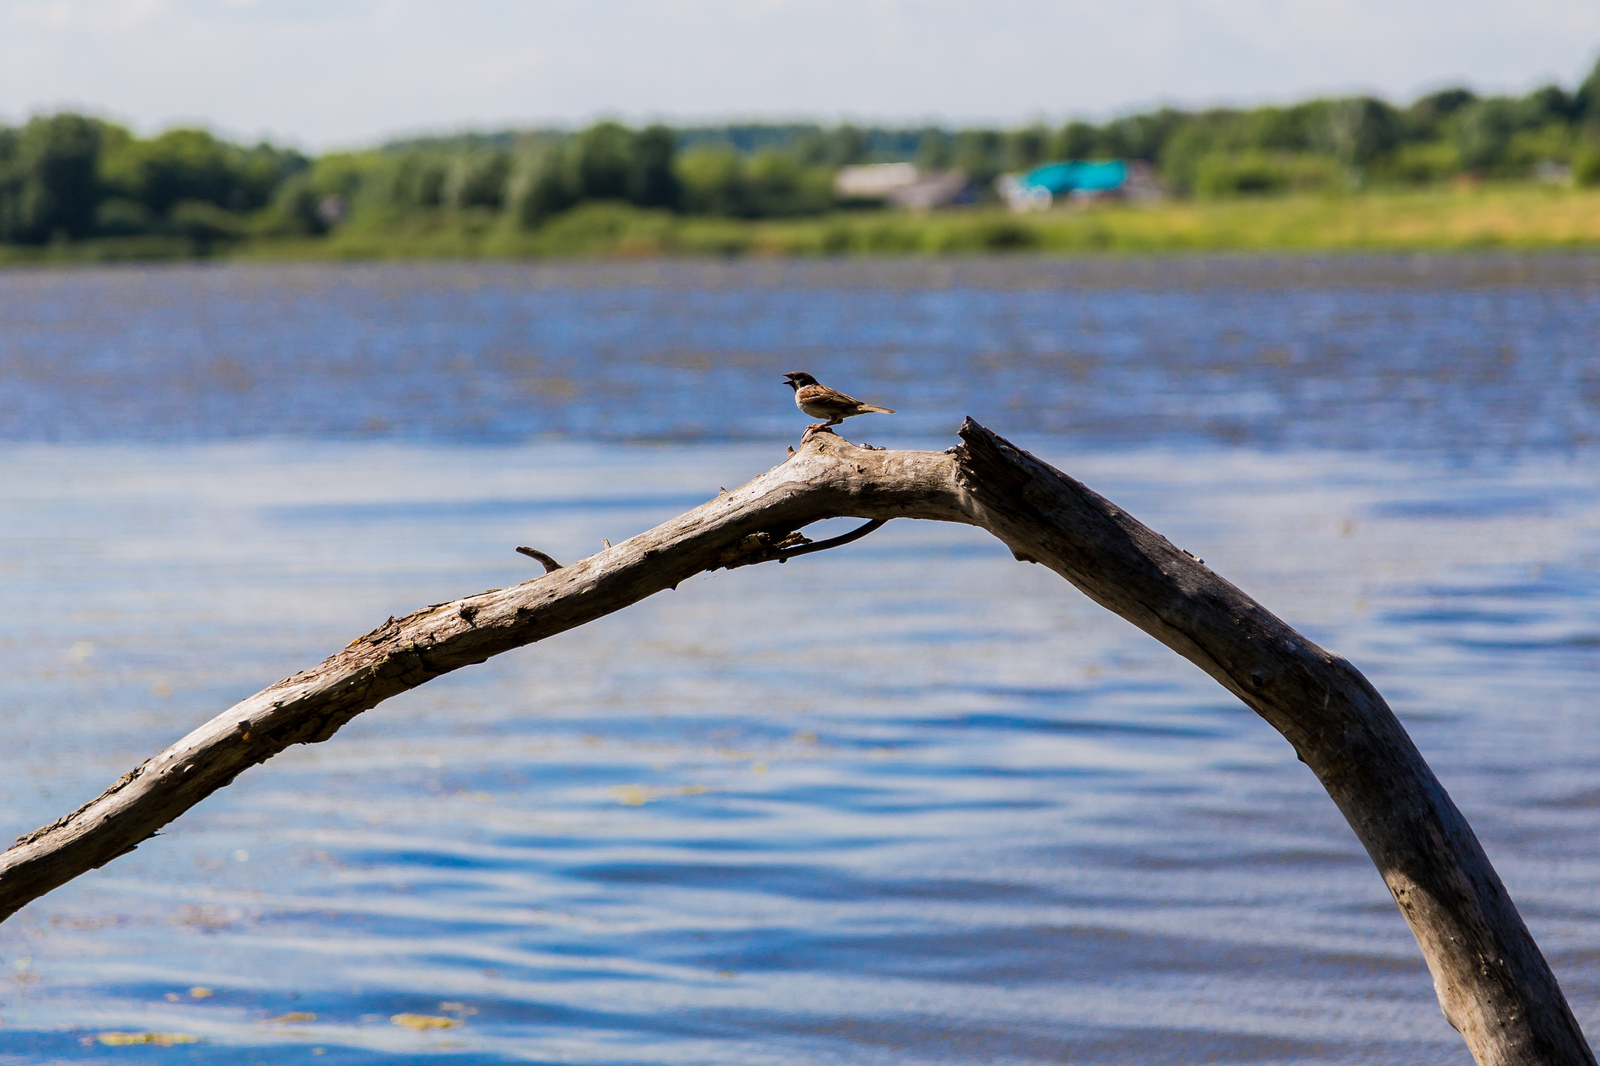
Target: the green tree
(812, 146)
(1254, 172)
(601, 162)
(1586, 101)
(1026, 147)
(607, 161)
(1075, 140)
(849, 145)
(418, 179)
(204, 224)
(51, 182)
(773, 179)
(1419, 163)
(1586, 167)
(1183, 152)
(778, 183)
(347, 174)
(544, 189)
(1139, 136)
(295, 209)
(713, 181)
(1483, 131)
(183, 164)
(478, 179)
(1427, 115)
(980, 154)
(654, 183)
(933, 149)
(1356, 131)
(1549, 103)
(10, 186)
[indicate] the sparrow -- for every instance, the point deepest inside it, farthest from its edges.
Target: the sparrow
(819, 401)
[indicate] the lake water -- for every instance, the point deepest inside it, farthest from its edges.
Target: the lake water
(904, 802)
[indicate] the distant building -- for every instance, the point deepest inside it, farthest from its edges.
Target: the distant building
(1079, 179)
(875, 181)
(901, 184)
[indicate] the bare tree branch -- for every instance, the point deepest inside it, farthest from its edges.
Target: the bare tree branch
(549, 563)
(1492, 982)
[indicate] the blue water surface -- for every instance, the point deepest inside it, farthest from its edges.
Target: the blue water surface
(904, 802)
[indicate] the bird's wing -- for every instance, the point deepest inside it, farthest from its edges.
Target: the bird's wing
(822, 396)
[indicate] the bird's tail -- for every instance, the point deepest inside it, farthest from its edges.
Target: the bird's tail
(876, 410)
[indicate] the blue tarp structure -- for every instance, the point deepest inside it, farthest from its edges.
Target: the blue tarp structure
(1078, 175)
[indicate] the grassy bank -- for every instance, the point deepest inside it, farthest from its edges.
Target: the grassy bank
(1495, 216)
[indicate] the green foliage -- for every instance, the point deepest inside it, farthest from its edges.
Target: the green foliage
(1075, 140)
(605, 226)
(348, 174)
(1482, 130)
(607, 161)
(980, 154)
(294, 211)
(417, 179)
(1139, 136)
(600, 163)
(781, 186)
(478, 180)
(1248, 173)
(49, 181)
(718, 181)
(653, 182)
(1426, 117)
(712, 180)
(1551, 104)
(190, 164)
(1422, 163)
(121, 217)
(1358, 130)
(849, 146)
(933, 149)
(1552, 142)
(204, 223)
(1586, 167)
(542, 190)
(1586, 101)
(1027, 148)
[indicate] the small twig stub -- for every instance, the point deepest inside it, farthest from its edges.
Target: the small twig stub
(550, 565)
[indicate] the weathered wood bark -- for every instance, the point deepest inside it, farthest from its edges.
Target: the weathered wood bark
(1492, 982)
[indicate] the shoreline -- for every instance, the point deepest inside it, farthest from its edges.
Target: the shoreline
(1518, 217)
(1250, 270)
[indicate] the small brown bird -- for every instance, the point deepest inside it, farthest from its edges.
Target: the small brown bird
(819, 401)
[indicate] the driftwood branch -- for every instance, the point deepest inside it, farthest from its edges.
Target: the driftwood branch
(1492, 982)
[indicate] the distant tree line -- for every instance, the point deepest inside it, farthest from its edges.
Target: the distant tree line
(68, 177)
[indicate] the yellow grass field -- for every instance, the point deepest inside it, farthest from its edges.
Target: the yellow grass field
(1503, 216)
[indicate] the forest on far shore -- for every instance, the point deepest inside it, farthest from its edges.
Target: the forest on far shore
(75, 180)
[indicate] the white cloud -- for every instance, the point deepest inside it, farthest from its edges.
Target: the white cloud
(352, 71)
(89, 16)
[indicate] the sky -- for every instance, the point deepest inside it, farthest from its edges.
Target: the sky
(345, 73)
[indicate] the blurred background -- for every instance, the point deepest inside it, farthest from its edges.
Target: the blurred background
(310, 316)
(162, 128)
